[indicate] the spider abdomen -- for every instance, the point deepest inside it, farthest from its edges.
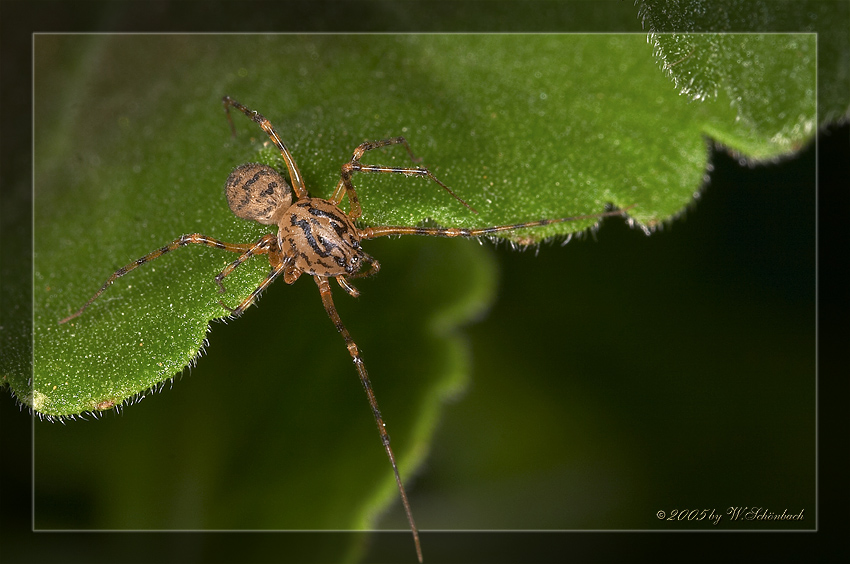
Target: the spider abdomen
(258, 192)
(320, 237)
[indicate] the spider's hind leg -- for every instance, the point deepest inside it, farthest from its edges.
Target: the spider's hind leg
(266, 245)
(194, 238)
(294, 174)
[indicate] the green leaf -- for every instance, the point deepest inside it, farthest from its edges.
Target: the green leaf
(760, 81)
(703, 65)
(520, 130)
(132, 150)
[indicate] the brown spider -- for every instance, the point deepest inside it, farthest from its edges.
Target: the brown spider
(316, 237)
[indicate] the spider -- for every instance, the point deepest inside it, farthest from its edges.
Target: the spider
(316, 237)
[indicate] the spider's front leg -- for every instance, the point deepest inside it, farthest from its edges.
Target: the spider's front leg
(345, 186)
(388, 231)
(330, 308)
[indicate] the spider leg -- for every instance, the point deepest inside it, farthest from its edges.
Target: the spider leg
(345, 186)
(294, 174)
(266, 245)
(277, 269)
(194, 238)
(327, 301)
(386, 231)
